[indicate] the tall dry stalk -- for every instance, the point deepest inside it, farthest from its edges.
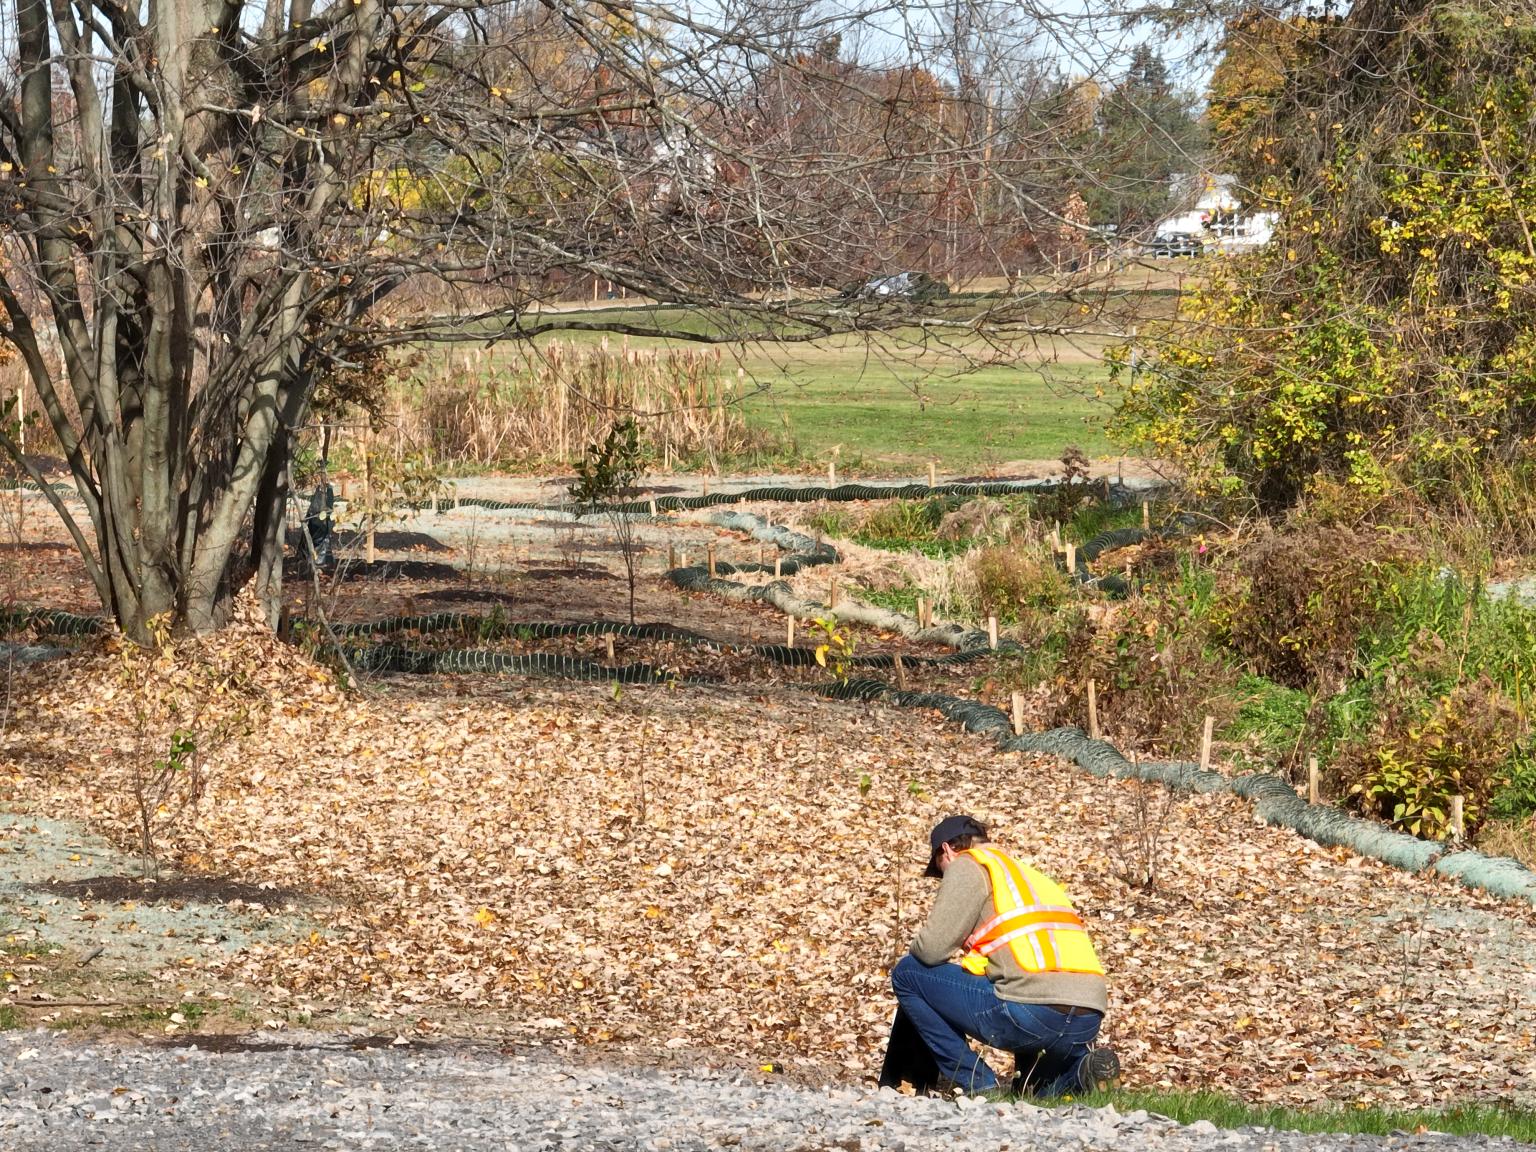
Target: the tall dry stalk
(548, 406)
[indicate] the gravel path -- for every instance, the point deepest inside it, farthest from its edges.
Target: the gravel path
(321, 1091)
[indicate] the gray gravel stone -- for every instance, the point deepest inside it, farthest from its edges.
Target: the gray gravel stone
(321, 1093)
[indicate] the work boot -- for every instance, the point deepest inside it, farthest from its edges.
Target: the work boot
(1098, 1070)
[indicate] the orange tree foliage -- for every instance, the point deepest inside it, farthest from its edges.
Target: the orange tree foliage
(1258, 49)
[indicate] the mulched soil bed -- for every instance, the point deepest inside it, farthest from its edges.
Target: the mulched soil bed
(736, 867)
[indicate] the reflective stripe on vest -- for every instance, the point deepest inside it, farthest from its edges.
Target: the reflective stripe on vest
(1033, 917)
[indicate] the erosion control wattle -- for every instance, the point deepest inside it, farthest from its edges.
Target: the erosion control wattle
(1274, 800)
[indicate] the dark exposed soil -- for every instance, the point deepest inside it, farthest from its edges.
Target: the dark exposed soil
(170, 890)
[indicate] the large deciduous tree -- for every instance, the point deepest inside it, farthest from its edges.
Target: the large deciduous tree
(1258, 48)
(210, 206)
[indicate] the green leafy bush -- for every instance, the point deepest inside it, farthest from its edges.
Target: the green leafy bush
(1387, 334)
(1516, 797)
(1157, 675)
(1426, 749)
(910, 525)
(1009, 581)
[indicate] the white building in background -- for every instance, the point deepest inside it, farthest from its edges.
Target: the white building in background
(1215, 215)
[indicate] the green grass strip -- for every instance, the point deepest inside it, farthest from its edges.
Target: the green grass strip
(1484, 1119)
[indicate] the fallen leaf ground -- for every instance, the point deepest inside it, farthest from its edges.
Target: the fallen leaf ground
(727, 873)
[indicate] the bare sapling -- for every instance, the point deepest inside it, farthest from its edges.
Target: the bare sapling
(1138, 847)
(179, 724)
(605, 474)
(165, 790)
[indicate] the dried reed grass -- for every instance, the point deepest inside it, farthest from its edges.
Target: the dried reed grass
(547, 406)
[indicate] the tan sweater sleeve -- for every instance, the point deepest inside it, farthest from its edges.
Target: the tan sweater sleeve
(964, 897)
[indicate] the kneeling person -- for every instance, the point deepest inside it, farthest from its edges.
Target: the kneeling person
(1029, 980)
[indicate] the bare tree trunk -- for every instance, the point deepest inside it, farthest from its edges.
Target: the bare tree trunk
(206, 202)
(268, 534)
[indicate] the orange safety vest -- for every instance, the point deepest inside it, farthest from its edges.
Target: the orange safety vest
(1032, 915)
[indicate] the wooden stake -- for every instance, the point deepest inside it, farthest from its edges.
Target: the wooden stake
(1312, 791)
(608, 644)
(368, 489)
(1018, 713)
(832, 594)
(1205, 744)
(790, 623)
(682, 558)
(1093, 710)
(901, 673)
(1056, 537)
(1071, 559)
(671, 557)
(653, 507)
(709, 553)
(933, 475)
(706, 484)
(922, 608)
(1458, 822)
(778, 567)
(1146, 517)
(991, 631)
(831, 473)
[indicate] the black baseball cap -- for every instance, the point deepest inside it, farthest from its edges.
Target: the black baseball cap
(948, 829)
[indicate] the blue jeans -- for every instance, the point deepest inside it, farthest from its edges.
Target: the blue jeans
(946, 1004)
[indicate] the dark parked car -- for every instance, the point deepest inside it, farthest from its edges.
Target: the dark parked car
(1175, 244)
(916, 286)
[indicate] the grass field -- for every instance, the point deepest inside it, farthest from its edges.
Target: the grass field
(884, 414)
(890, 402)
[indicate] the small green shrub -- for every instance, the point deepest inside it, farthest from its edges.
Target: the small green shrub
(834, 647)
(1012, 580)
(829, 522)
(902, 520)
(910, 525)
(1426, 748)
(1515, 800)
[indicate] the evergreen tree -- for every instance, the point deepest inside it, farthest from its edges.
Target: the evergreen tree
(1145, 132)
